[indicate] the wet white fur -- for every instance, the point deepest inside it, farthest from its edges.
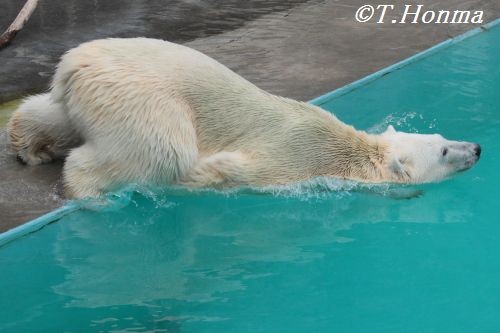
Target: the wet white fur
(422, 157)
(153, 112)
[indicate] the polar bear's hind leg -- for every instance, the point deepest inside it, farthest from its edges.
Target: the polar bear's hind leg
(83, 173)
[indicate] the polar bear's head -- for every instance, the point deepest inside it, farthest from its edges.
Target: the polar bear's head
(422, 158)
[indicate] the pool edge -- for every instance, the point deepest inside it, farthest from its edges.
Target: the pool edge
(36, 224)
(320, 100)
(53, 216)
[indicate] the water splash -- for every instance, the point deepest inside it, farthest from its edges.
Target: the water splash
(319, 188)
(410, 122)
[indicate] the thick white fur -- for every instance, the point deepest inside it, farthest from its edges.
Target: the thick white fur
(153, 112)
(39, 130)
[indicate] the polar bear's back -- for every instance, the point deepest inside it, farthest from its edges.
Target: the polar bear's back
(135, 62)
(154, 80)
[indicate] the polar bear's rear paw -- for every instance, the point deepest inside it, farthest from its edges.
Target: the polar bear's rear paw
(34, 158)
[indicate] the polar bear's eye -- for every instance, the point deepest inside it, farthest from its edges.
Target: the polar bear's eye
(445, 151)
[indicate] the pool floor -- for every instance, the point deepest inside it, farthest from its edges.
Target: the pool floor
(320, 257)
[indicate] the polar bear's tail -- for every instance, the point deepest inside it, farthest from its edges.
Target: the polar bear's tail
(39, 130)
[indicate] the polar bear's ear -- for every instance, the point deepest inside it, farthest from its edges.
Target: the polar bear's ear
(390, 129)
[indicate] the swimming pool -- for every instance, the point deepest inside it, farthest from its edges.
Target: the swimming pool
(322, 256)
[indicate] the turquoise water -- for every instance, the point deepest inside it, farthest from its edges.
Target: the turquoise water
(320, 257)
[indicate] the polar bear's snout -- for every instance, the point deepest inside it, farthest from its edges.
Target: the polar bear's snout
(477, 150)
(463, 155)
(474, 153)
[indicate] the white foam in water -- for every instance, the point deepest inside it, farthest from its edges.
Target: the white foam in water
(112, 201)
(404, 122)
(330, 187)
(319, 187)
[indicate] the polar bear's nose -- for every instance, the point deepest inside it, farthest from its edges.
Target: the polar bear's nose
(477, 150)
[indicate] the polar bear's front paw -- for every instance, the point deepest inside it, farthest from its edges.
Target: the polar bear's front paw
(405, 193)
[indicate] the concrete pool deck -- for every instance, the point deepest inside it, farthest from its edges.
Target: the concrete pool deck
(298, 49)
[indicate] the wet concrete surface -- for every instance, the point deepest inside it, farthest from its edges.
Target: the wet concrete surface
(298, 49)
(57, 26)
(25, 192)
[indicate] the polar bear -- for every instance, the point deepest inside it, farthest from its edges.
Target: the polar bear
(152, 112)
